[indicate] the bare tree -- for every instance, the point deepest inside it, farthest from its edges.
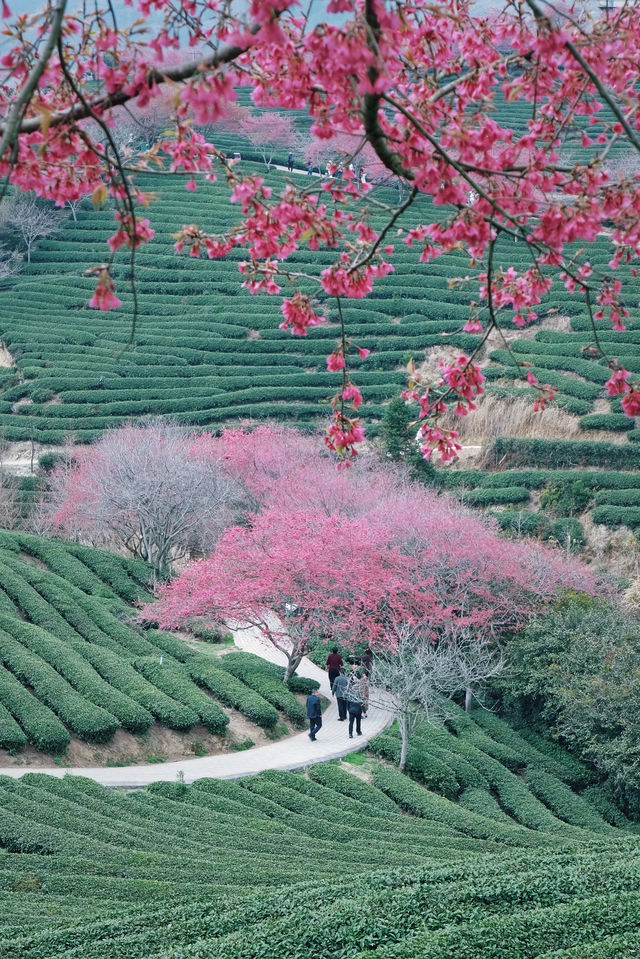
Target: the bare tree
(31, 221)
(149, 487)
(472, 661)
(10, 262)
(413, 681)
(74, 205)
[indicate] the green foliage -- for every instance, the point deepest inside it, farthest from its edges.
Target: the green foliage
(271, 688)
(500, 496)
(421, 765)
(617, 516)
(576, 669)
(398, 436)
(567, 498)
(175, 682)
(232, 692)
(564, 453)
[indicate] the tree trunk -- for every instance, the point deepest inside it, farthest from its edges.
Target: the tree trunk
(403, 748)
(467, 699)
(294, 661)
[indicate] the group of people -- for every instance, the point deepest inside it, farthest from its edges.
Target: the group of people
(351, 693)
(337, 173)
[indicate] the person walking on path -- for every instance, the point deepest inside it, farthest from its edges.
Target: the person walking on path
(339, 690)
(290, 162)
(334, 664)
(355, 716)
(314, 715)
(364, 692)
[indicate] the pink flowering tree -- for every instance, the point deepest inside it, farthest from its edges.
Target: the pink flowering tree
(416, 83)
(270, 132)
(387, 558)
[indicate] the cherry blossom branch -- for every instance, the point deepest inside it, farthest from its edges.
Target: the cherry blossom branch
(593, 76)
(10, 129)
(83, 110)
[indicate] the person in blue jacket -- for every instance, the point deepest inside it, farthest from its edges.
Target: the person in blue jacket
(314, 714)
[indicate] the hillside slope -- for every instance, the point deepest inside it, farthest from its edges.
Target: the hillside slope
(73, 669)
(328, 864)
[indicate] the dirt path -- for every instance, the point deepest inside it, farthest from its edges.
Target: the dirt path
(296, 752)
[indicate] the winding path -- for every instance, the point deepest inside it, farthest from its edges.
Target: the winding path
(295, 752)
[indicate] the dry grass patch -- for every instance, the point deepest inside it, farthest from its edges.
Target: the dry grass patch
(497, 416)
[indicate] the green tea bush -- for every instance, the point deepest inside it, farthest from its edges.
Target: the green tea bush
(270, 687)
(77, 671)
(421, 765)
(492, 496)
(89, 721)
(41, 726)
(617, 515)
(12, 738)
(175, 682)
(232, 692)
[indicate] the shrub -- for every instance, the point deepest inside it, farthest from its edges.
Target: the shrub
(232, 692)
(175, 682)
(77, 671)
(12, 738)
(272, 689)
(89, 721)
(41, 726)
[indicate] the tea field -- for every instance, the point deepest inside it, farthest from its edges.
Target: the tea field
(71, 663)
(206, 352)
(495, 846)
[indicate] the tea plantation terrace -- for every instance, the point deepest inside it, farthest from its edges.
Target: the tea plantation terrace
(499, 848)
(71, 665)
(206, 352)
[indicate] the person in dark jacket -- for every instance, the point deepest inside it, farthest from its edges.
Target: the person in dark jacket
(290, 163)
(367, 660)
(355, 716)
(334, 664)
(339, 690)
(314, 714)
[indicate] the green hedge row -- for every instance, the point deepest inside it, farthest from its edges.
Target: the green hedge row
(174, 681)
(617, 422)
(269, 687)
(79, 674)
(564, 453)
(90, 722)
(493, 496)
(617, 516)
(417, 800)
(12, 738)
(564, 803)
(232, 692)
(41, 726)
(347, 784)
(421, 765)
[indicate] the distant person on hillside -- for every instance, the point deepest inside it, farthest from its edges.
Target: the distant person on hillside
(339, 690)
(290, 163)
(314, 715)
(309, 169)
(334, 664)
(339, 173)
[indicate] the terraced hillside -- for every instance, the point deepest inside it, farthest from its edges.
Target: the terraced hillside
(594, 473)
(206, 351)
(73, 668)
(327, 863)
